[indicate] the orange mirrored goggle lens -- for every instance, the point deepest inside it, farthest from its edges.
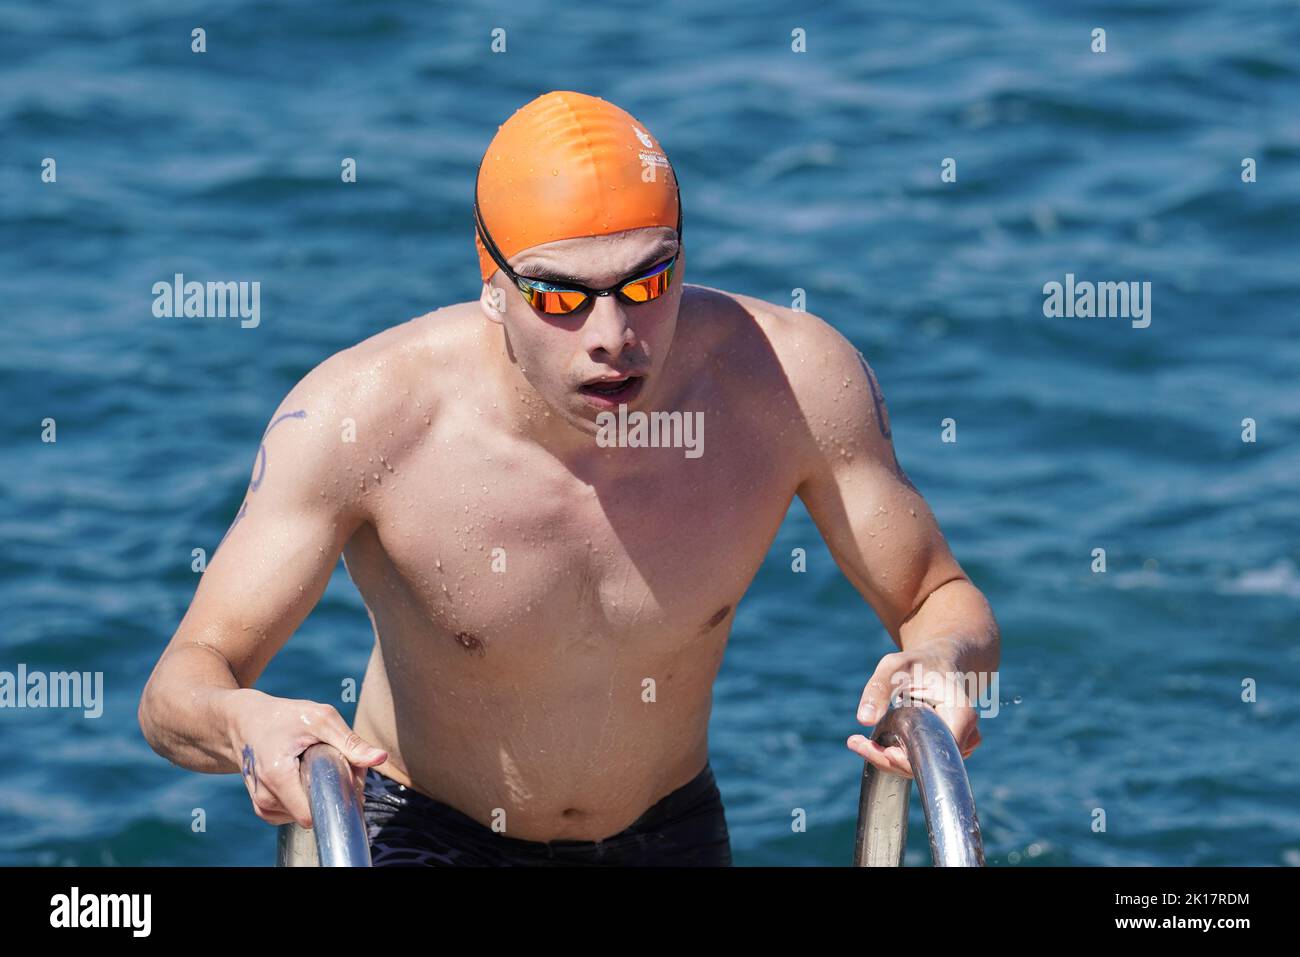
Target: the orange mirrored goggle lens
(651, 287)
(559, 302)
(554, 303)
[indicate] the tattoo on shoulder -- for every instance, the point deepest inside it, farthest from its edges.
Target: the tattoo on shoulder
(882, 421)
(902, 476)
(261, 449)
(882, 417)
(259, 470)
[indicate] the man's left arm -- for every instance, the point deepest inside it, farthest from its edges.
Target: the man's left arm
(885, 539)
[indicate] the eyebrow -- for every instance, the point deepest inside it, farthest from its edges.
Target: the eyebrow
(656, 255)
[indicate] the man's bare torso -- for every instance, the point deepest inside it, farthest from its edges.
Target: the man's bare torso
(547, 634)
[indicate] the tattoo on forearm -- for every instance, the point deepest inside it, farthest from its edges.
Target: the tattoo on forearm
(260, 469)
(249, 769)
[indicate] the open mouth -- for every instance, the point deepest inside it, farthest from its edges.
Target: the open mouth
(612, 391)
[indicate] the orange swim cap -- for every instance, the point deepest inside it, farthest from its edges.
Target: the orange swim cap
(568, 165)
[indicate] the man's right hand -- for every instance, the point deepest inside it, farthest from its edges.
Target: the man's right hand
(269, 734)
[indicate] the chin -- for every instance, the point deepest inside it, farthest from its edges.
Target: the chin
(584, 420)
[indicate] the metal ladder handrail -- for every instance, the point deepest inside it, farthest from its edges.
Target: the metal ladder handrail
(946, 796)
(337, 837)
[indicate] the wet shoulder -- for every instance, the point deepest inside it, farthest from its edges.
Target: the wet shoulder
(759, 348)
(382, 392)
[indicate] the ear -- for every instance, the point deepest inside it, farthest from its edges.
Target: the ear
(492, 302)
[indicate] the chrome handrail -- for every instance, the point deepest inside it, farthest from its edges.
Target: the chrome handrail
(940, 778)
(337, 837)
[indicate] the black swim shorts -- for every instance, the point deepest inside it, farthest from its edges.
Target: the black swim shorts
(687, 828)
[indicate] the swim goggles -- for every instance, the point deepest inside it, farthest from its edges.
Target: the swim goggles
(562, 300)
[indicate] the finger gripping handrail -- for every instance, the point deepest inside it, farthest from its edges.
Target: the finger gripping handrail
(337, 837)
(941, 780)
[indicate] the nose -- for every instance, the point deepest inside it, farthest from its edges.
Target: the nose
(606, 332)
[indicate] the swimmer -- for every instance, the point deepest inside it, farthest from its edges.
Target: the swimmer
(549, 610)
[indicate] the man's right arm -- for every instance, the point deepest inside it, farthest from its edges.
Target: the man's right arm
(303, 503)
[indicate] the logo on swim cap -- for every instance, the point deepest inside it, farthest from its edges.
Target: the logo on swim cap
(645, 140)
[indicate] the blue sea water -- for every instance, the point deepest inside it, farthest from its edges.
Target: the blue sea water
(817, 171)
